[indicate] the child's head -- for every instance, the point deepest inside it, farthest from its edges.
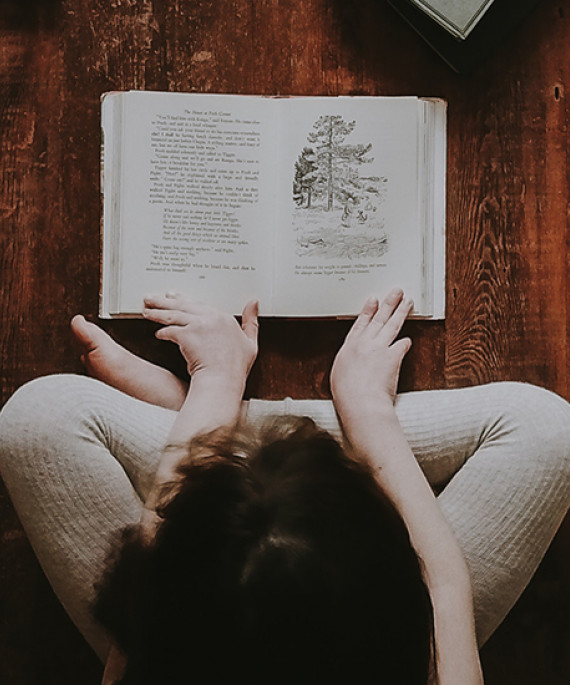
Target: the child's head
(278, 558)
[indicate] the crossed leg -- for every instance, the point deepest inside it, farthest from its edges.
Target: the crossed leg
(78, 457)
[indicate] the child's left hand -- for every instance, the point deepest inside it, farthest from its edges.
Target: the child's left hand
(364, 376)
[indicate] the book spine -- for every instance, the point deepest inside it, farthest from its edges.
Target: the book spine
(111, 111)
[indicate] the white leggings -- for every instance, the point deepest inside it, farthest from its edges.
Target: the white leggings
(78, 458)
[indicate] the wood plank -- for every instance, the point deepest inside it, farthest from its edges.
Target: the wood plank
(508, 194)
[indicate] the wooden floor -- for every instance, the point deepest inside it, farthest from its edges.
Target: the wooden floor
(508, 199)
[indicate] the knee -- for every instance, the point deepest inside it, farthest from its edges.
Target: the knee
(39, 410)
(526, 404)
(537, 419)
(43, 395)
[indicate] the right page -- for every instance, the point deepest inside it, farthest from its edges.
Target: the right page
(350, 204)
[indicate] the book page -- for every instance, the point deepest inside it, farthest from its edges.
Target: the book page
(459, 17)
(348, 198)
(195, 197)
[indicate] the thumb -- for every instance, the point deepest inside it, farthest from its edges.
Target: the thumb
(168, 333)
(401, 348)
(249, 322)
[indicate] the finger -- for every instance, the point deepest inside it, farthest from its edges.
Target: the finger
(174, 301)
(392, 327)
(366, 313)
(158, 302)
(168, 317)
(249, 322)
(389, 304)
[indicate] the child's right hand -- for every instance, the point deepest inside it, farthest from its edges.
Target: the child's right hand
(212, 342)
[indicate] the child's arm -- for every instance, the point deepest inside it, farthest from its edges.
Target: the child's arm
(363, 381)
(219, 354)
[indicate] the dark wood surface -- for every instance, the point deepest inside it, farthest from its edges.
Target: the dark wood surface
(508, 198)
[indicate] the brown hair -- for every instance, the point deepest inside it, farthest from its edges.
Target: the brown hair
(278, 558)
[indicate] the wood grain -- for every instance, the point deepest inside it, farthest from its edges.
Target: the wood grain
(507, 265)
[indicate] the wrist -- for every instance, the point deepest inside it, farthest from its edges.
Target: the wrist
(363, 408)
(228, 384)
(364, 423)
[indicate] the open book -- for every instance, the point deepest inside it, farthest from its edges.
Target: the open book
(309, 204)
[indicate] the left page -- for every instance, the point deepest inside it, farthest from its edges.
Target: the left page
(194, 177)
